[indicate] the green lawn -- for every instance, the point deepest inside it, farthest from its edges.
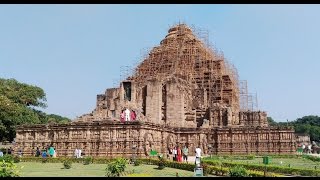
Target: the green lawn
(294, 162)
(38, 169)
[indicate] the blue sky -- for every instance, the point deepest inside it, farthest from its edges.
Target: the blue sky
(75, 52)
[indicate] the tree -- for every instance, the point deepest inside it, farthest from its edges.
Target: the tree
(271, 121)
(309, 125)
(17, 107)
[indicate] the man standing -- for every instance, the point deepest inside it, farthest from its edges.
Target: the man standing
(198, 156)
(76, 152)
(185, 152)
(174, 152)
(51, 151)
(127, 114)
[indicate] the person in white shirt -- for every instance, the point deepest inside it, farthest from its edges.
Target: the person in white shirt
(198, 156)
(127, 115)
(175, 153)
(303, 147)
(309, 149)
(79, 153)
(76, 152)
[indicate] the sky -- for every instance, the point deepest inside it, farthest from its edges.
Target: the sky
(74, 52)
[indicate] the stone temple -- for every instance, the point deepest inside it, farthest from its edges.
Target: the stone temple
(182, 93)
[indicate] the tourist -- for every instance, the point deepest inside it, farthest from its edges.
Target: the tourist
(32, 152)
(44, 153)
(309, 149)
(54, 153)
(9, 150)
(132, 115)
(169, 152)
(198, 156)
(185, 152)
(79, 153)
(20, 153)
(127, 114)
(303, 147)
(38, 152)
(174, 151)
(179, 154)
(1, 153)
(122, 116)
(76, 152)
(51, 151)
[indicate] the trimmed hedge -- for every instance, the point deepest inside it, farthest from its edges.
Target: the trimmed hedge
(312, 158)
(208, 169)
(274, 169)
(251, 156)
(97, 160)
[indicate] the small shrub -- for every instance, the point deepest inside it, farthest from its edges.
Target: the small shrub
(238, 171)
(161, 163)
(8, 169)
(16, 159)
(251, 157)
(137, 162)
(67, 164)
(116, 167)
(7, 158)
(88, 160)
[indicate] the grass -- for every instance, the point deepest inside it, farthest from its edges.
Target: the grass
(294, 162)
(151, 170)
(38, 169)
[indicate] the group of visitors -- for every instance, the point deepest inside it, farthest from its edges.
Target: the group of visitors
(178, 154)
(8, 151)
(181, 155)
(127, 115)
(49, 151)
(304, 148)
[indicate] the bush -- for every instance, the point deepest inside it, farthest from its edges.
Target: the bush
(251, 157)
(274, 169)
(238, 171)
(137, 162)
(44, 160)
(8, 169)
(116, 167)
(67, 164)
(161, 163)
(16, 159)
(88, 160)
(7, 158)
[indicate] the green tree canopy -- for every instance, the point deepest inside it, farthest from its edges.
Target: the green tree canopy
(309, 125)
(17, 103)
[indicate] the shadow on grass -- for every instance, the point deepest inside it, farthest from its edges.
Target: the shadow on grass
(158, 168)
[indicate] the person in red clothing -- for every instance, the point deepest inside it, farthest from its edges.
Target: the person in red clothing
(132, 115)
(122, 116)
(179, 154)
